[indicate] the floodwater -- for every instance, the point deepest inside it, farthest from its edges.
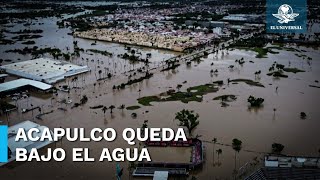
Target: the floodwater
(165, 154)
(256, 128)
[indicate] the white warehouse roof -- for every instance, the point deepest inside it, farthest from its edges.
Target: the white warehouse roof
(15, 84)
(44, 69)
(28, 145)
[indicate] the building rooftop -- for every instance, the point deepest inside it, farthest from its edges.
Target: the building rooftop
(28, 145)
(44, 69)
(15, 84)
(288, 167)
(284, 173)
(160, 175)
(3, 75)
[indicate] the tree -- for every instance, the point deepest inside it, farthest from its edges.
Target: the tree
(303, 115)
(84, 99)
(277, 148)
(104, 109)
(100, 71)
(122, 107)
(144, 126)
(255, 102)
(219, 151)
(214, 140)
(236, 146)
(111, 108)
(188, 119)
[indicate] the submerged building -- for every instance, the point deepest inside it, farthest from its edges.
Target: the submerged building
(28, 145)
(288, 167)
(44, 69)
(151, 169)
(23, 84)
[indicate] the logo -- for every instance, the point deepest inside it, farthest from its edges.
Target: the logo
(285, 14)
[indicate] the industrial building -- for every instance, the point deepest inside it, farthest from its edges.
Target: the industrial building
(21, 84)
(28, 145)
(44, 69)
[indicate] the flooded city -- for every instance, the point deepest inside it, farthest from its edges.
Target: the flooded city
(251, 94)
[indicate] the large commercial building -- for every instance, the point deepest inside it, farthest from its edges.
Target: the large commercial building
(19, 84)
(44, 69)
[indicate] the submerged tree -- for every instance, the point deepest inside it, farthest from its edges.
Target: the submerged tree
(144, 126)
(236, 146)
(277, 148)
(84, 99)
(122, 106)
(214, 140)
(100, 72)
(188, 119)
(111, 108)
(104, 109)
(303, 115)
(255, 102)
(219, 151)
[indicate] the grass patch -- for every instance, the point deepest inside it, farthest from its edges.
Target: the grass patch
(193, 94)
(29, 42)
(184, 97)
(105, 53)
(147, 99)
(227, 98)
(203, 89)
(132, 107)
(278, 74)
(293, 70)
(248, 81)
(314, 86)
(261, 52)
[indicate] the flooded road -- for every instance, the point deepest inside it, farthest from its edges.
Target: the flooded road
(277, 121)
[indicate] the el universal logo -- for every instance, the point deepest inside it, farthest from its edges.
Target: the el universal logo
(290, 16)
(285, 14)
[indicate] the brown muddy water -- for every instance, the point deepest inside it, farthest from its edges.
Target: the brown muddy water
(257, 128)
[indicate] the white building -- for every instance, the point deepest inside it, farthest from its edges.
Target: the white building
(44, 69)
(28, 145)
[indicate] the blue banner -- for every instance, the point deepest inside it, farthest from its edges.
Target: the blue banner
(3, 143)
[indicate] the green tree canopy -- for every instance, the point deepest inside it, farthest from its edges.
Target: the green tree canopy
(188, 119)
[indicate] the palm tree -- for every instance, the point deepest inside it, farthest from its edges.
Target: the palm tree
(104, 109)
(188, 119)
(122, 107)
(214, 140)
(219, 151)
(100, 71)
(236, 145)
(111, 108)
(179, 86)
(144, 126)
